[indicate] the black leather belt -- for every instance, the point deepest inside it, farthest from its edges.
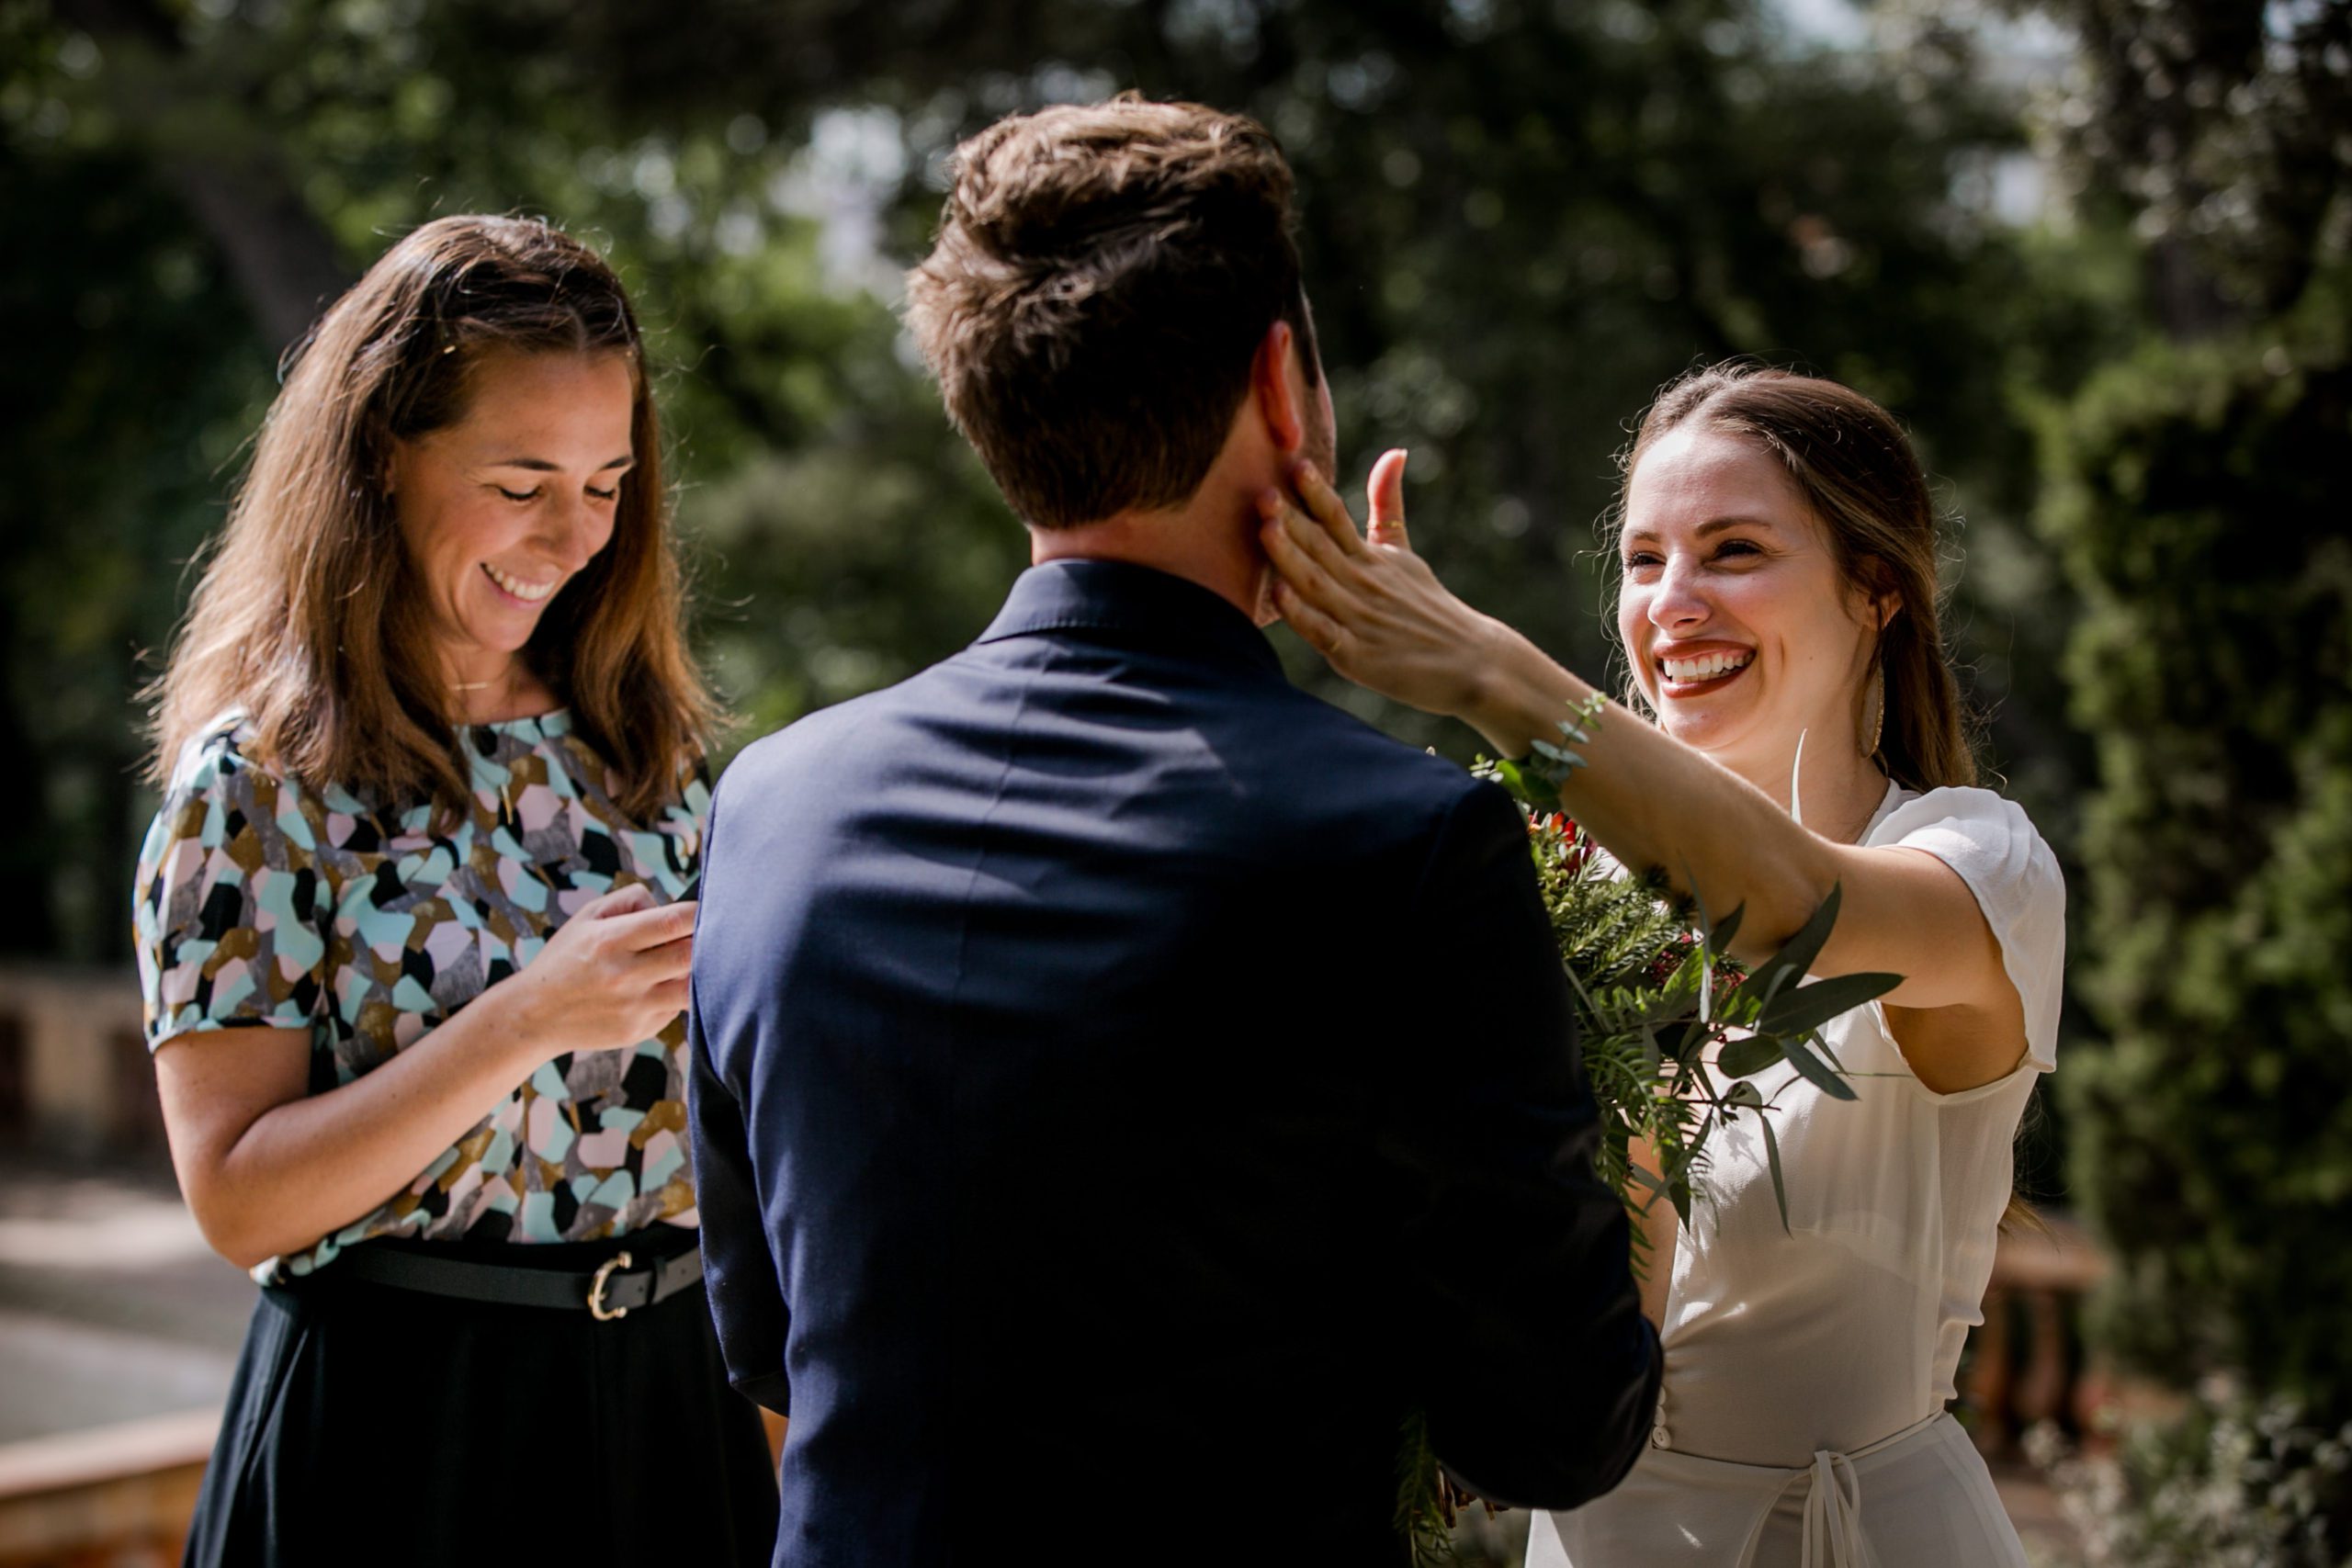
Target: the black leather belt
(611, 1290)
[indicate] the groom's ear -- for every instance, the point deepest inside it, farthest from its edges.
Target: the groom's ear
(1277, 386)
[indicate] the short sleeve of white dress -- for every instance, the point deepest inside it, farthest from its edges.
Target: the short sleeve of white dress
(1996, 850)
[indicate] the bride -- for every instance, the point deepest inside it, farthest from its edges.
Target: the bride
(1777, 605)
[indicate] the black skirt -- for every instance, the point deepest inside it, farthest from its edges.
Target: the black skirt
(373, 1425)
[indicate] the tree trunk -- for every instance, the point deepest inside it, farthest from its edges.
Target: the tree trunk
(237, 187)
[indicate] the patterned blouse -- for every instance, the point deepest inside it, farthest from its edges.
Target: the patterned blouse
(262, 902)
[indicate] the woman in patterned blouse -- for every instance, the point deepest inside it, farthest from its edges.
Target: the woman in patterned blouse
(411, 934)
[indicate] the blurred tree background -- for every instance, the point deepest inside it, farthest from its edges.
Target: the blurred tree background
(2092, 252)
(2193, 494)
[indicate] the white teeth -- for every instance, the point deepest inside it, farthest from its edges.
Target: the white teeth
(533, 593)
(1706, 667)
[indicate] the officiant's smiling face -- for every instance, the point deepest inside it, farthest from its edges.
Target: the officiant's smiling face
(1742, 630)
(501, 509)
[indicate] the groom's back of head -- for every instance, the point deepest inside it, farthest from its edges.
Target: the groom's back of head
(1102, 276)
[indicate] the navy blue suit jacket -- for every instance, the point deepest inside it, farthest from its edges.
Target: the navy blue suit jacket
(1125, 1088)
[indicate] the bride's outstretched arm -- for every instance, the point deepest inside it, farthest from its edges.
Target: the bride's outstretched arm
(1377, 612)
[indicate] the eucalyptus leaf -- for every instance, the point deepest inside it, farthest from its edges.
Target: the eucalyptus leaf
(1816, 1072)
(1556, 754)
(1743, 1058)
(1644, 1179)
(1719, 934)
(1809, 1007)
(1650, 1184)
(1692, 1037)
(1779, 1183)
(1796, 955)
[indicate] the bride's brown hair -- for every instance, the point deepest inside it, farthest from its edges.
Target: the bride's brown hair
(1858, 475)
(309, 618)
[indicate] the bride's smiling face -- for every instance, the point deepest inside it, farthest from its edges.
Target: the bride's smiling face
(1741, 629)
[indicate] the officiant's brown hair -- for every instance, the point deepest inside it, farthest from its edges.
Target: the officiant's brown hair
(1101, 279)
(308, 620)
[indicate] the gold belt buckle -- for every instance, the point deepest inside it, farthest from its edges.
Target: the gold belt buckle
(597, 1307)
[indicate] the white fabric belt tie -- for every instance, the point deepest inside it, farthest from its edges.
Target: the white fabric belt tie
(1833, 1536)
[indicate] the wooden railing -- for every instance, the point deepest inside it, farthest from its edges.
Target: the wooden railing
(74, 1074)
(115, 1496)
(2026, 1363)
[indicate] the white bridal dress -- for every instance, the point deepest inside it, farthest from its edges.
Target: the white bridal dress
(1803, 1421)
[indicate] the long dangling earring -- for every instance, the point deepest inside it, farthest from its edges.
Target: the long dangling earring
(1878, 714)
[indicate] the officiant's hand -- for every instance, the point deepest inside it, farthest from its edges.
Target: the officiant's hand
(1369, 604)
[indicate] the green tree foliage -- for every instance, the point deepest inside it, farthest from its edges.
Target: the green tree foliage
(2244, 1484)
(131, 366)
(2222, 125)
(2194, 494)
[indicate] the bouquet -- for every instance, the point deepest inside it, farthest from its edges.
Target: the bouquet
(1656, 994)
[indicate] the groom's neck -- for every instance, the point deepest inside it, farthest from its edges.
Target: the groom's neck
(1208, 540)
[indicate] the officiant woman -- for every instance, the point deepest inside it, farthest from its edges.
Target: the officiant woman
(1776, 553)
(413, 953)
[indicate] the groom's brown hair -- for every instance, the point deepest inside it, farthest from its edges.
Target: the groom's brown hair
(1102, 276)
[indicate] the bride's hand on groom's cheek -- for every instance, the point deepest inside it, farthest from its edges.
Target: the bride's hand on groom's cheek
(1371, 606)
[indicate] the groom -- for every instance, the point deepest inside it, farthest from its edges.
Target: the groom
(1128, 1088)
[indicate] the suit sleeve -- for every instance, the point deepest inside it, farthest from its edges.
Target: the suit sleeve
(740, 1273)
(1537, 1371)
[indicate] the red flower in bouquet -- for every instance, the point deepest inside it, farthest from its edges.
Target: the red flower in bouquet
(1559, 834)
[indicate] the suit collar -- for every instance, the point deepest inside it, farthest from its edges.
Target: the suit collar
(1120, 596)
